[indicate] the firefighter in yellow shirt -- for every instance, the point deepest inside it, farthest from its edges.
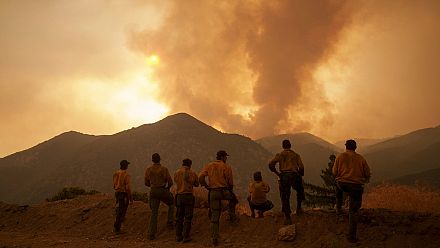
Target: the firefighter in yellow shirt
(220, 188)
(185, 180)
(121, 185)
(257, 196)
(159, 179)
(290, 176)
(351, 172)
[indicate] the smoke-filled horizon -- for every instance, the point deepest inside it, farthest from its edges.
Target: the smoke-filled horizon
(246, 66)
(337, 69)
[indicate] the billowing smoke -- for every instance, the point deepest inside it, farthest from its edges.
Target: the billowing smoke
(366, 68)
(245, 66)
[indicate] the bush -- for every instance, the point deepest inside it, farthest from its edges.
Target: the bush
(70, 193)
(139, 196)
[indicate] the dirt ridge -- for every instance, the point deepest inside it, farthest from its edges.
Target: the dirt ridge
(87, 222)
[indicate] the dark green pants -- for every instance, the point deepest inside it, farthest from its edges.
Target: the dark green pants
(121, 209)
(185, 209)
(263, 207)
(290, 180)
(158, 195)
(354, 192)
(215, 205)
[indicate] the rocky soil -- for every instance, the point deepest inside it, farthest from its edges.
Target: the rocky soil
(87, 222)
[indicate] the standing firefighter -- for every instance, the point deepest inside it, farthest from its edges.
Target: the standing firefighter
(257, 196)
(290, 175)
(121, 185)
(185, 180)
(158, 178)
(220, 188)
(351, 172)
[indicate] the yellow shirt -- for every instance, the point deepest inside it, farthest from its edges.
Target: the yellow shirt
(219, 175)
(258, 191)
(289, 161)
(185, 180)
(157, 176)
(121, 181)
(351, 167)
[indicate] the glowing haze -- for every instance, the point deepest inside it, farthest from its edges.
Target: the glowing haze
(337, 69)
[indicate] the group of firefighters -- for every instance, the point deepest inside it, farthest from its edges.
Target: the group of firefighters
(350, 170)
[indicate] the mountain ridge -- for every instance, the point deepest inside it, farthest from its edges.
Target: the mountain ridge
(76, 159)
(87, 161)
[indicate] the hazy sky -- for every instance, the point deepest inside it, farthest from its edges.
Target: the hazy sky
(336, 69)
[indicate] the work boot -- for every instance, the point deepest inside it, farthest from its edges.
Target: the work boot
(187, 239)
(253, 214)
(179, 239)
(260, 214)
(340, 211)
(352, 239)
(214, 242)
(151, 237)
(234, 219)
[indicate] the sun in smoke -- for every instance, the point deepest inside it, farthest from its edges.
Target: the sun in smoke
(153, 60)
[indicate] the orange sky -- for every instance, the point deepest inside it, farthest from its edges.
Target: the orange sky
(333, 68)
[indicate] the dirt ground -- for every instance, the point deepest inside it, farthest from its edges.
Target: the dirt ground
(88, 221)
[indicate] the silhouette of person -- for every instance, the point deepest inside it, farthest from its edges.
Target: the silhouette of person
(351, 172)
(121, 185)
(158, 178)
(185, 180)
(290, 175)
(220, 188)
(257, 196)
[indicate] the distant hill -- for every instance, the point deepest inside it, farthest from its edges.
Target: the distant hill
(362, 143)
(429, 177)
(412, 153)
(314, 152)
(75, 159)
(88, 161)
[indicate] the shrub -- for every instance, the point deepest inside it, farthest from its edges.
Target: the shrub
(70, 193)
(139, 196)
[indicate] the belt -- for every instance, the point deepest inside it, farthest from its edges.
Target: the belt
(158, 187)
(222, 188)
(289, 172)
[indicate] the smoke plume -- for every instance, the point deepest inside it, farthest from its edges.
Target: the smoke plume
(245, 66)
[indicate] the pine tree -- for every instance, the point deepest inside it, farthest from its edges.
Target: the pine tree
(320, 196)
(327, 174)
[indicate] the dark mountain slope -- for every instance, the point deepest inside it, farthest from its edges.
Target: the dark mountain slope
(430, 177)
(411, 153)
(90, 162)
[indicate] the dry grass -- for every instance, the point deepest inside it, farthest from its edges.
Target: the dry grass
(418, 198)
(243, 209)
(201, 195)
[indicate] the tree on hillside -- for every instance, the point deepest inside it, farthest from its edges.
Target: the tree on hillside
(320, 196)
(327, 174)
